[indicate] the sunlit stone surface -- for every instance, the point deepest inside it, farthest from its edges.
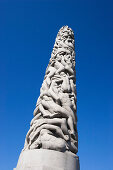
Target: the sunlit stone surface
(52, 140)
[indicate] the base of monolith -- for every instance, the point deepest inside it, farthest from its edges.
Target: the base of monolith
(43, 159)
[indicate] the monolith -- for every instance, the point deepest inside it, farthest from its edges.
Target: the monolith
(52, 140)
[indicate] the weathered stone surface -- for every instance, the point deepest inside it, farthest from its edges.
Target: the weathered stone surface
(44, 159)
(52, 140)
(54, 125)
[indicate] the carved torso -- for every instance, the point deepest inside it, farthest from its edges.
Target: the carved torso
(54, 125)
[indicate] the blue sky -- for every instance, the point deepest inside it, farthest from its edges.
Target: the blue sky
(27, 34)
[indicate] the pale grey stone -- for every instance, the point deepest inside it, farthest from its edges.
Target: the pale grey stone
(54, 126)
(44, 159)
(56, 106)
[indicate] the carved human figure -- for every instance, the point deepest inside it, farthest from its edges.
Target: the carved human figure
(54, 125)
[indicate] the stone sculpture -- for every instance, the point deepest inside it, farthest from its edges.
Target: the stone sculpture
(54, 126)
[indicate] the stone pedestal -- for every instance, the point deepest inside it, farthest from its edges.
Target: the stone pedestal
(42, 159)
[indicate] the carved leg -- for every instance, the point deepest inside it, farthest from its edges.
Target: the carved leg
(71, 126)
(43, 111)
(52, 106)
(57, 130)
(55, 121)
(36, 143)
(49, 141)
(36, 117)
